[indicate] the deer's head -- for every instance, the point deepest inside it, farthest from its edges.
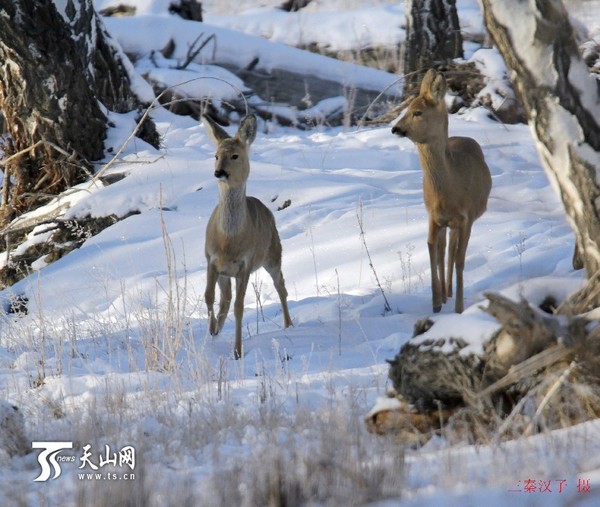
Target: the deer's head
(426, 117)
(232, 165)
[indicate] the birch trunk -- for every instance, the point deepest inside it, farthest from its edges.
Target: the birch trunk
(432, 38)
(562, 103)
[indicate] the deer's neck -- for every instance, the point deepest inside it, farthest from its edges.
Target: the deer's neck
(233, 209)
(435, 166)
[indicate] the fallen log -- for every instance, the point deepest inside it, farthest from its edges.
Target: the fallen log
(538, 371)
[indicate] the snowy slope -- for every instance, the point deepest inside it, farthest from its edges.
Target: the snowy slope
(115, 349)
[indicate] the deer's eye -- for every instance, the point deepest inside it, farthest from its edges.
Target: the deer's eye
(216, 156)
(234, 156)
(417, 113)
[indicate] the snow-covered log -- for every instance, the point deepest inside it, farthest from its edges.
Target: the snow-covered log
(537, 371)
(562, 102)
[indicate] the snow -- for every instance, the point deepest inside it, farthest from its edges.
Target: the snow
(139, 33)
(384, 403)
(115, 348)
(333, 30)
(491, 65)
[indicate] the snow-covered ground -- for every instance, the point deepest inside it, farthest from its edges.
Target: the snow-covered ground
(115, 351)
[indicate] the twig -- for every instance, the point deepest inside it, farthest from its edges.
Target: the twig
(42, 142)
(361, 121)
(131, 136)
(22, 152)
(5, 187)
(259, 307)
(359, 216)
(339, 313)
(193, 51)
(155, 105)
(513, 414)
(528, 367)
(35, 145)
(312, 251)
(401, 78)
(549, 395)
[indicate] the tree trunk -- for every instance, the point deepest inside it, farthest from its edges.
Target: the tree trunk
(432, 38)
(562, 103)
(55, 67)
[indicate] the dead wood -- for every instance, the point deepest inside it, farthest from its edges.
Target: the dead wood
(294, 5)
(407, 424)
(538, 371)
(585, 299)
(525, 332)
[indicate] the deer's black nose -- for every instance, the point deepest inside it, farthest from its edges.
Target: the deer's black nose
(398, 131)
(221, 174)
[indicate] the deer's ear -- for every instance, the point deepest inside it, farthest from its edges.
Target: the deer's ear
(438, 87)
(247, 130)
(214, 131)
(433, 86)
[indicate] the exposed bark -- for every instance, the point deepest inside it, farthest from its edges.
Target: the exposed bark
(42, 99)
(118, 10)
(55, 67)
(407, 425)
(294, 5)
(562, 103)
(58, 67)
(432, 374)
(525, 332)
(66, 236)
(187, 9)
(432, 38)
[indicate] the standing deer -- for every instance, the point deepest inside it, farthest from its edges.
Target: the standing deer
(241, 235)
(456, 184)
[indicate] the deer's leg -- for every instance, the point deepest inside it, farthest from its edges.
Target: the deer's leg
(225, 302)
(441, 258)
(209, 297)
(432, 243)
(451, 259)
(279, 282)
(464, 233)
(241, 283)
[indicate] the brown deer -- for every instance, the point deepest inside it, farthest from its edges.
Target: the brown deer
(241, 235)
(456, 184)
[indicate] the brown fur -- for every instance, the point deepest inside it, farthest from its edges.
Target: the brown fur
(241, 235)
(456, 184)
